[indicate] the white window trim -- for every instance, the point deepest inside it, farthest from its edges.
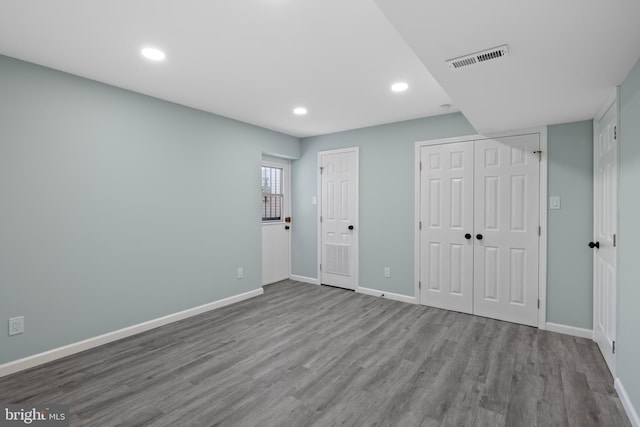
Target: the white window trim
(274, 162)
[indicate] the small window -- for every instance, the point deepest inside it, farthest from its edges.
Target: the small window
(271, 194)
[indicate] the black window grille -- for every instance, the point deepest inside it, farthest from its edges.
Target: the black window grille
(271, 194)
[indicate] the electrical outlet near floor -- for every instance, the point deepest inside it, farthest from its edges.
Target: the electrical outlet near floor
(16, 325)
(240, 273)
(387, 272)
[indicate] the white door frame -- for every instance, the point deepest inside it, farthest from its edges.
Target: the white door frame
(613, 99)
(356, 252)
(542, 248)
(285, 164)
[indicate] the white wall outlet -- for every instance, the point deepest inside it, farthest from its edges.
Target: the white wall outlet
(16, 325)
(554, 202)
(387, 272)
(314, 200)
(240, 273)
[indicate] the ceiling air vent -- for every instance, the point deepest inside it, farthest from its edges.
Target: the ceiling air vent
(478, 57)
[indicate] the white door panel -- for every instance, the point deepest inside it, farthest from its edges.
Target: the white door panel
(275, 234)
(506, 228)
(275, 253)
(605, 228)
(447, 201)
(339, 218)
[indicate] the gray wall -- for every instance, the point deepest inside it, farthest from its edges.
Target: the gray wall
(117, 208)
(628, 253)
(387, 208)
(570, 260)
(386, 197)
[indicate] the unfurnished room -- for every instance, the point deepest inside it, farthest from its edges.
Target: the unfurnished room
(319, 213)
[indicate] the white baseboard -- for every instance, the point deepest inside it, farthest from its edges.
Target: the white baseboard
(570, 330)
(67, 350)
(304, 279)
(388, 295)
(626, 403)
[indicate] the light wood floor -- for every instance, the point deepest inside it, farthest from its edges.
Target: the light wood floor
(304, 355)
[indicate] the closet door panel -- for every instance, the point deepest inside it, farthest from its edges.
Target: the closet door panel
(446, 198)
(506, 224)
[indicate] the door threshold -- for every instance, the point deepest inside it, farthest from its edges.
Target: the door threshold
(337, 287)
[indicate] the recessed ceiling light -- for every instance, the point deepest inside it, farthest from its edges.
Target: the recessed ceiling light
(299, 111)
(153, 54)
(399, 87)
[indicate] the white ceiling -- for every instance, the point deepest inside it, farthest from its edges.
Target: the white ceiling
(566, 57)
(255, 60)
(251, 60)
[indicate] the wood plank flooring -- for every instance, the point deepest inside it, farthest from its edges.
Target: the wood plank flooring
(305, 355)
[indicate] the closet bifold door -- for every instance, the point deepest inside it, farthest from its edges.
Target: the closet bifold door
(446, 206)
(506, 226)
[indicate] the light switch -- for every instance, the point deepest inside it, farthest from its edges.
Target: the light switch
(314, 200)
(554, 202)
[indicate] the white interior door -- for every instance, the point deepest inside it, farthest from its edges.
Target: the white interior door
(605, 229)
(480, 223)
(275, 209)
(507, 185)
(339, 217)
(446, 242)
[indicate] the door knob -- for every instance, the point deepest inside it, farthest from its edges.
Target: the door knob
(286, 227)
(479, 236)
(594, 245)
(467, 236)
(351, 227)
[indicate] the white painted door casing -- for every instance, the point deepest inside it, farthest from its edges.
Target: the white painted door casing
(338, 225)
(605, 234)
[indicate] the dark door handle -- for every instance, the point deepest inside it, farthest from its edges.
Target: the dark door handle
(286, 227)
(467, 236)
(594, 245)
(479, 236)
(351, 227)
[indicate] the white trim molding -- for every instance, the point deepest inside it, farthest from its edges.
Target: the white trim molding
(570, 330)
(67, 350)
(542, 249)
(626, 403)
(387, 295)
(304, 279)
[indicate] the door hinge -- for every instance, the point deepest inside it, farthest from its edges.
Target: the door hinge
(538, 303)
(613, 348)
(321, 168)
(420, 165)
(419, 285)
(320, 218)
(615, 133)
(539, 230)
(320, 267)
(420, 225)
(614, 240)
